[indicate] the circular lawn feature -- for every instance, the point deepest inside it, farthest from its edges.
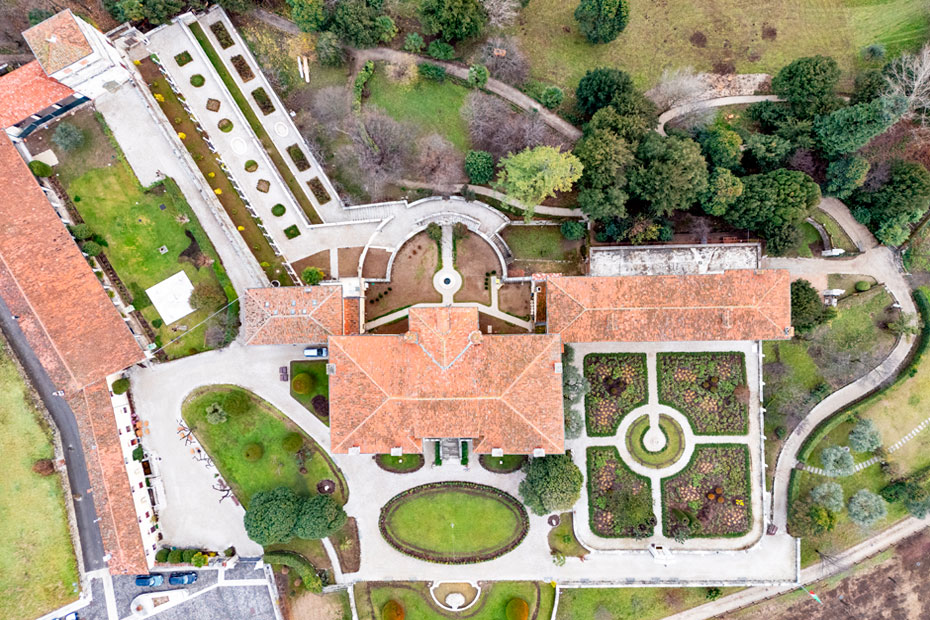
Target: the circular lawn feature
(197, 80)
(454, 522)
(670, 453)
(406, 464)
(225, 125)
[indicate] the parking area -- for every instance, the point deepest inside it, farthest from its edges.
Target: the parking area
(125, 589)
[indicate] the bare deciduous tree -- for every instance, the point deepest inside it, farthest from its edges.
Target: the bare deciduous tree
(383, 148)
(909, 77)
(495, 126)
(504, 60)
(330, 106)
(676, 87)
(501, 13)
(438, 161)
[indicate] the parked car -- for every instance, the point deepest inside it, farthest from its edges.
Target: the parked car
(149, 581)
(316, 352)
(182, 579)
(72, 616)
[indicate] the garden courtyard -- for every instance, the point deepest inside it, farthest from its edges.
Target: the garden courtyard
(671, 445)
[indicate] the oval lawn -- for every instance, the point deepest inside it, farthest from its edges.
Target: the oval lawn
(454, 522)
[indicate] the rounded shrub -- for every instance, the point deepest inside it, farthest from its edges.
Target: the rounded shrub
(174, 556)
(40, 168)
(413, 43)
(251, 165)
(321, 405)
(552, 97)
(278, 210)
(302, 383)
(91, 248)
(292, 442)
(392, 610)
(253, 452)
(162, 555)
(121, 386)
(188, 554)
(572, 230)
(237, 402)
(440, 50)
(82, 231)
(517, 609)
(225, 125)
(863, 286)
(479, 166)
(197, 80)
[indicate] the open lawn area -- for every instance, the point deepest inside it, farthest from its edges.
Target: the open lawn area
(542, 249)
(562, 538)
(317, 387)
(136, 222)
(426, 106)
(416, 600)
(38, 568)
(629, 603)
(257, 423)
(726, 35)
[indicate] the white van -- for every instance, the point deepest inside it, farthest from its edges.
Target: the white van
(316, 352)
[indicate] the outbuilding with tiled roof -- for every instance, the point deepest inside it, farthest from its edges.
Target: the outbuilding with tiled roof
(294, 314)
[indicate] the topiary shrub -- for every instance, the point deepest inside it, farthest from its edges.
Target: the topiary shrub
(278, 210)
(40, 168)
(292, 442)
(251, 165)
(440, 50)
(479, 166)
(197, 80)
(82, 231)
(253, 452)
(216, 414)
(174, 556)
(188, 555)
(321, 405)
(517, 609)
(237, 402)
(162, 555)
(552, 97)
(121, 386)
(302, 383)
(862, 286)
(292, 231)
(225, 125)
(199, 559)
(572, 230)
(392, 610)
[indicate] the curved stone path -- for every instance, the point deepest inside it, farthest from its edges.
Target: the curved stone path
(688, 108)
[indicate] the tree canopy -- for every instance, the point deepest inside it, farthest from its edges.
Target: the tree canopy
(723, 188)
(846, 175)
(271, 516)
(849, 129)
(605, 157)
(307, 14)
(808, 85)
(452, 20)
(319, 516)
(722, 147)
(807, 310)
(866, 508)
(836, 461)
(600, 21)
(670, 173)
(864, 436)
(552, 483)
(890, 210)
(535, 174)
(604, 87)
(829, 495)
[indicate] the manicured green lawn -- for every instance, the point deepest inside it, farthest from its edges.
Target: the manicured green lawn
(452, 521)
(262, 424)
(674, 445)
(427, 107)
(506, 464)
(320, 385)
(562, 538)
(400, 464)
(134, 224)
(414, 597)
(809, 237)
(38, 568)
(838, 236)
(629, 603)
(535, 242)
(660, 36)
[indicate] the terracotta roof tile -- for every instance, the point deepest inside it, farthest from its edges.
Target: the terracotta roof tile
(293, 314)
(743, 304)
(27, 91)
(112, 495)
(351, 315)
(68, 318)
(444, 378)
(58, 42)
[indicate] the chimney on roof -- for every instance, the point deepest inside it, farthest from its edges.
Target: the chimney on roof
(475, 337)
(411, 337)
(52, 38)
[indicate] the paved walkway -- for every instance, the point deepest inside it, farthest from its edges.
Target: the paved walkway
(481, 190)
(860, 235)
(688, 108)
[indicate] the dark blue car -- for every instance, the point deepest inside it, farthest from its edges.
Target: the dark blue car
(149, 581)
(182, 579)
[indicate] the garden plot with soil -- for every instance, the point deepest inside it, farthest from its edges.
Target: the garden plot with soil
(618, 385)
(411, 279)
(709, 388)
(478, 264)
(542, 249)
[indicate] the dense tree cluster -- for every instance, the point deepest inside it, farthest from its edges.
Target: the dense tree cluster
(901, 201)
(600, 21)
(280, 514)
(551, 483)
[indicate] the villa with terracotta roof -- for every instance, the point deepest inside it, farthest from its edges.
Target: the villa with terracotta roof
(74, 63)
(446, 379)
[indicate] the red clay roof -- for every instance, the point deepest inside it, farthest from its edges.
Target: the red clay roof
(351, 322)
(743, 304)
(26, 91)
(70, 322)
(292, 314)
(444, 378)
(119, 525)
(58, 42)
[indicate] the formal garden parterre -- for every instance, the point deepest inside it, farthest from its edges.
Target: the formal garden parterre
(669, 454)
(618, 385)
(619, 501)
(709, 388)
(711, 496)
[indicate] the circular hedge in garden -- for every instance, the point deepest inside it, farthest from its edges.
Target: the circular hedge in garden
(668, 455)
(253, 452)
(251, 165)
(225, 125)
(197, 80)
(278, 210)
(454, 522)
(302, 383)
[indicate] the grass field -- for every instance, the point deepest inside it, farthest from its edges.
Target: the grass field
(427, 106)
(262, 424)
(136, 222)
(491, 605)
(659, 35)
(319, 382)
(629, 603)
(535, 242)
(562, 538)
(38, 568)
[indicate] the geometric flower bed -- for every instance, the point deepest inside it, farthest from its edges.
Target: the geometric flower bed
(709, 388)
(710, 497)
(669, 454)
(454, 522)
(619, 501)
(618, 385)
